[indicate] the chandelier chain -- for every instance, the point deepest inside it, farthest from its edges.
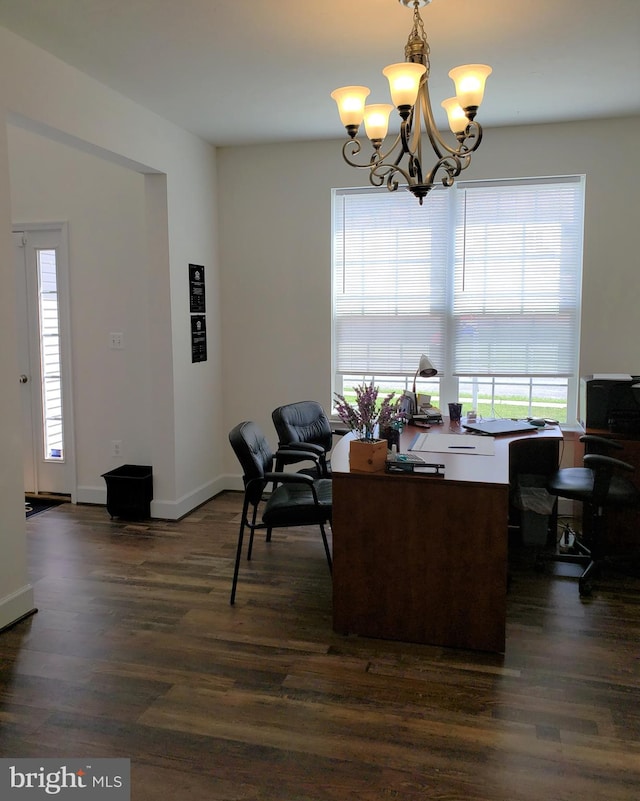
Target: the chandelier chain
(417, 47)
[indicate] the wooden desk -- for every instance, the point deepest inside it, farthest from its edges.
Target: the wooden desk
(424, 559)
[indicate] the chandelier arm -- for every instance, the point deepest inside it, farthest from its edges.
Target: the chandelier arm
(415, 152)
(383, 156)
(352, 147)
(414, 166)
(392, 183)
(452, 166)
(473, 131)
(415, 169)
(437, 142)
(389, 176)
(380, 171)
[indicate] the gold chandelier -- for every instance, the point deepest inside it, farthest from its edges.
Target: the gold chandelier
(409, 86)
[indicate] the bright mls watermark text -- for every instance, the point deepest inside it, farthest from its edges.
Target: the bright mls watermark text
(80, 779)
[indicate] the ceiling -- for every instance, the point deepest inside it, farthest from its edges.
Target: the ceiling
(247, 71)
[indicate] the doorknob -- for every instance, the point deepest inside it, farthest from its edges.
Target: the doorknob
(24, 379)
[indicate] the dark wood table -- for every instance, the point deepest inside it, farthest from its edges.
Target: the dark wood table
(423, 559)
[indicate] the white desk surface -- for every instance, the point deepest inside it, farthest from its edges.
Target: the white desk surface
(458, 465)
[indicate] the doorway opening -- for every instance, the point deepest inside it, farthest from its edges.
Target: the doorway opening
(40, 254)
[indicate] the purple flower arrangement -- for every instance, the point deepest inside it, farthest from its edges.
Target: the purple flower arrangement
(366, 414)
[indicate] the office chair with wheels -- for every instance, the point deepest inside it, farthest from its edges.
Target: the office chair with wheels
(304, 426)
(598, 485)
(296, 499)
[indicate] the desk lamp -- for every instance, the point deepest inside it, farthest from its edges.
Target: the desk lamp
(425, 370)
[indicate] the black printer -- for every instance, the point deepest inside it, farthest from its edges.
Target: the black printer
(612, 402)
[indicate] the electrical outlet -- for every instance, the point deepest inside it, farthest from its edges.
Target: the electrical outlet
(116, 340)
(116, 447)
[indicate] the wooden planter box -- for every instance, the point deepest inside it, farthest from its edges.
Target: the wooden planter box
(367, 456)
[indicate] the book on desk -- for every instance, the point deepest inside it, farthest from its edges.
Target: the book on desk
(409, 463)
(430, 416)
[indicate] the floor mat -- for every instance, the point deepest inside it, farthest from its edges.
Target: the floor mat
(33, 506)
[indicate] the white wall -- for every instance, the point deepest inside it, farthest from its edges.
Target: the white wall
(108, 262)
(275, 253)
(184, 418)
(16, 592)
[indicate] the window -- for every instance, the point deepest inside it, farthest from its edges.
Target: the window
(485, 278)
(49, 327)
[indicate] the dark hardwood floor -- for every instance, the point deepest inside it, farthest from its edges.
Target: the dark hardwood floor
(135, 652)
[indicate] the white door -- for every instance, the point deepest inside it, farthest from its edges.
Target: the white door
(42, 306)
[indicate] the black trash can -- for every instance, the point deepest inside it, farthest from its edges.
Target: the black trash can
(129, 491)
(536, 505)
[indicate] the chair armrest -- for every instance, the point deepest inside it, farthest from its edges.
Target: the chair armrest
(308, 447)
(601, 442)
(289, 478)
(257, 485)
(595, 460)
(291, 455)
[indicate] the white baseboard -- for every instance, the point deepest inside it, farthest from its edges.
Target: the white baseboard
(16, 606)
(95, 495)
(170, 510)
(234, 483)
(174, 510)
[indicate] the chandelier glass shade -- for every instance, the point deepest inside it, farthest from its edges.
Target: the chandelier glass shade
(409, 88)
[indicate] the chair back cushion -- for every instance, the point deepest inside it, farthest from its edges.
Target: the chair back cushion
(609, 488)
(254, 454)
(304, 421)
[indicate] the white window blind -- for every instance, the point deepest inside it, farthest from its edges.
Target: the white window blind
(518, 278)
(485, 278)
(390, 257)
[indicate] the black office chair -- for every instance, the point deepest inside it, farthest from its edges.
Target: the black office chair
(296, 500)
(598, 486)
(304, 426)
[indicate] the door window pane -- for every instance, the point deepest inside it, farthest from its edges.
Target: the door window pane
(49, 320)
